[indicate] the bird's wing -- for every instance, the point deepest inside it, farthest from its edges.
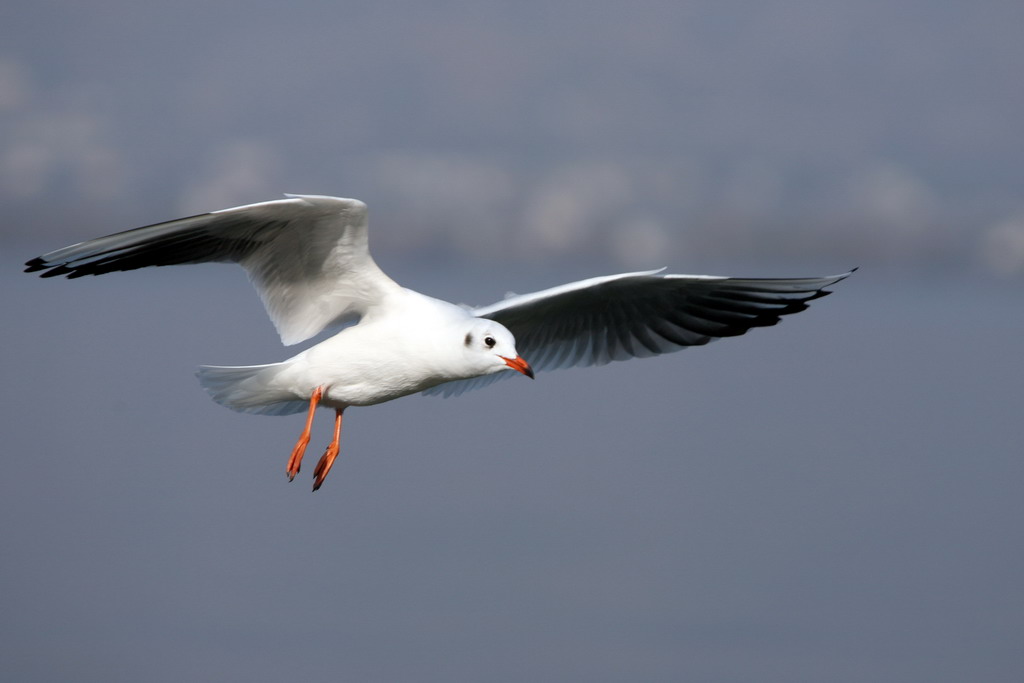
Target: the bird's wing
(307, 256)
(636, 315)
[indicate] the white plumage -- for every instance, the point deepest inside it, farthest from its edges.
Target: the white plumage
(309, 261)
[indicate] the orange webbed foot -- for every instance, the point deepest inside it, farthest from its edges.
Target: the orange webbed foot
(327, 459)
(295, 461)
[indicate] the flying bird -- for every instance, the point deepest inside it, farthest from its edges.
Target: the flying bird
(308, 258)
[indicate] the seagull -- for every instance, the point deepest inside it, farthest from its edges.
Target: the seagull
(308, 258)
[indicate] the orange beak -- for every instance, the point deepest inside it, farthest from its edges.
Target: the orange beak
(519, 365)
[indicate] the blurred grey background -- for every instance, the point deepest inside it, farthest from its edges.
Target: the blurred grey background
(839, 498)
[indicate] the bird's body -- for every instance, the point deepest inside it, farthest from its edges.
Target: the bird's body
(309, 261)
(362, 365)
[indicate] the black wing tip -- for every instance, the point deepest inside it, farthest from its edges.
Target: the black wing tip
(827, 281)
(835, 279)
(36, 264)
(843, 276)
(51, 269)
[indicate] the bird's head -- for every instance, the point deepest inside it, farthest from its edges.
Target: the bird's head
(489, 347)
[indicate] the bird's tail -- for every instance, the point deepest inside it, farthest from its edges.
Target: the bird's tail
(249, 389)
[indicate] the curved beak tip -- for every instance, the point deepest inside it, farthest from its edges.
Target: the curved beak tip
(519, 365)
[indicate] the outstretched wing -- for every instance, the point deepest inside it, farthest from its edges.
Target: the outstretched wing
(636, 315)
(307, 256)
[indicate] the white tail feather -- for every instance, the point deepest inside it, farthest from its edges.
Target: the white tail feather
(249, 389)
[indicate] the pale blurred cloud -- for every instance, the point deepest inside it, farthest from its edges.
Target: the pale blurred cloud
(237, 172)
(1002, 247)
(446, 198)
(642, 242)
(895, 212)
(892, 194)
(15, 85)
(574, 204)
(24, 167)
(62, 151)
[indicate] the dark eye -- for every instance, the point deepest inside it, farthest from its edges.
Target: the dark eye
(490, 342)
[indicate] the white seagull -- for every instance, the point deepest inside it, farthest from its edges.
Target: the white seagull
(307, 256)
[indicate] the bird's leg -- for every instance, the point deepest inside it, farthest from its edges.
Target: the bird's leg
(295, 462)
(327, 459)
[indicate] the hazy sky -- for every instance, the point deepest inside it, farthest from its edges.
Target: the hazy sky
(861, 131)
(838, 498)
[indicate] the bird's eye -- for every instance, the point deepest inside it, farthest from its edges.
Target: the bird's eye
(490, 342)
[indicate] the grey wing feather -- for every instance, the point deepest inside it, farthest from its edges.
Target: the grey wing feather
(637, 315)
(306, 255)
(460, 386)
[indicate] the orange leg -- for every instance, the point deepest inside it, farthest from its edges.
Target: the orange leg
(295, 462)
(327, 459)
